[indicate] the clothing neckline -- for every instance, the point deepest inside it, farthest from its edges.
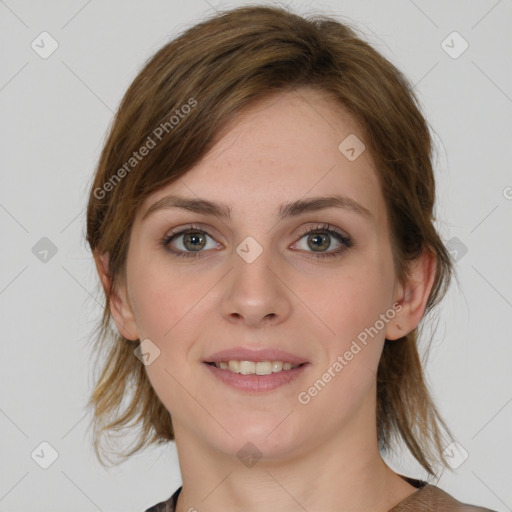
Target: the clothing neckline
(420, 485)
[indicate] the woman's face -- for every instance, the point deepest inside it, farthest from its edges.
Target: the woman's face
(256, 280)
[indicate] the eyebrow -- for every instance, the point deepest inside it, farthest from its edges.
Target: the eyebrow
(293, 209)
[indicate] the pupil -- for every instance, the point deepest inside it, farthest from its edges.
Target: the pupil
(319, 241)
(196, 240)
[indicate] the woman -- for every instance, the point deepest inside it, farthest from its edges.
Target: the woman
(261, 220)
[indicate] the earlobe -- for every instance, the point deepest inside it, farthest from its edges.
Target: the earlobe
(413, 296)
(119, 306)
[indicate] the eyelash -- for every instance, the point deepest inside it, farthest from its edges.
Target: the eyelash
(345, 240)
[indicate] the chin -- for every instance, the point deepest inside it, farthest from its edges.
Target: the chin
(269, 439)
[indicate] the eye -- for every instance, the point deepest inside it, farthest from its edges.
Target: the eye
(189, 242)
(322, 238)
(321, 241)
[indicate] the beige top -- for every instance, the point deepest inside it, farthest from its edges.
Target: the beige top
(428, 498)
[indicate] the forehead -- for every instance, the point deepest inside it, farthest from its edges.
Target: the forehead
(280, 149)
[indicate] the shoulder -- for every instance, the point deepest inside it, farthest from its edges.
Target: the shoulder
(430, 498)
(168, 505)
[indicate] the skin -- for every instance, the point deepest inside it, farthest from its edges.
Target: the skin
(322, 456)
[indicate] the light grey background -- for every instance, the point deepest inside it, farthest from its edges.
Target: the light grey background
(54, 115)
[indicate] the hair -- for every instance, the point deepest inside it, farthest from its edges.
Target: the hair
(191, 88)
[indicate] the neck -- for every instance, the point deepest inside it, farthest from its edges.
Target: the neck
(345, 473)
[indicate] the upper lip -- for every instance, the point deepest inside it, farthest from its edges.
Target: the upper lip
(245, 354)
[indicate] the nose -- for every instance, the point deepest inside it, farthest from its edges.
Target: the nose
(255, 292)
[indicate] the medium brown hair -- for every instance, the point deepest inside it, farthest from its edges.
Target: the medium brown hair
(220, 66)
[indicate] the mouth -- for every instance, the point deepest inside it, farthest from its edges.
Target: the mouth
(253, 371)
(255, 377)
(254, 367)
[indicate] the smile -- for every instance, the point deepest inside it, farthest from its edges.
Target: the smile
(255, 376)
(255, 368)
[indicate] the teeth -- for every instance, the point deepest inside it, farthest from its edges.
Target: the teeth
(259, 368)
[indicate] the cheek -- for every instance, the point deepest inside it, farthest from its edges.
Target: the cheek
(349, 301)
(163, 304)
(349, 307)
(160, 300)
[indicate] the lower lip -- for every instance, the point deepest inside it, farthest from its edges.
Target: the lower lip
(256, 383)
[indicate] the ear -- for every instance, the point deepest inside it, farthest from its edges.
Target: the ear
(413, 296)
(119, 306)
